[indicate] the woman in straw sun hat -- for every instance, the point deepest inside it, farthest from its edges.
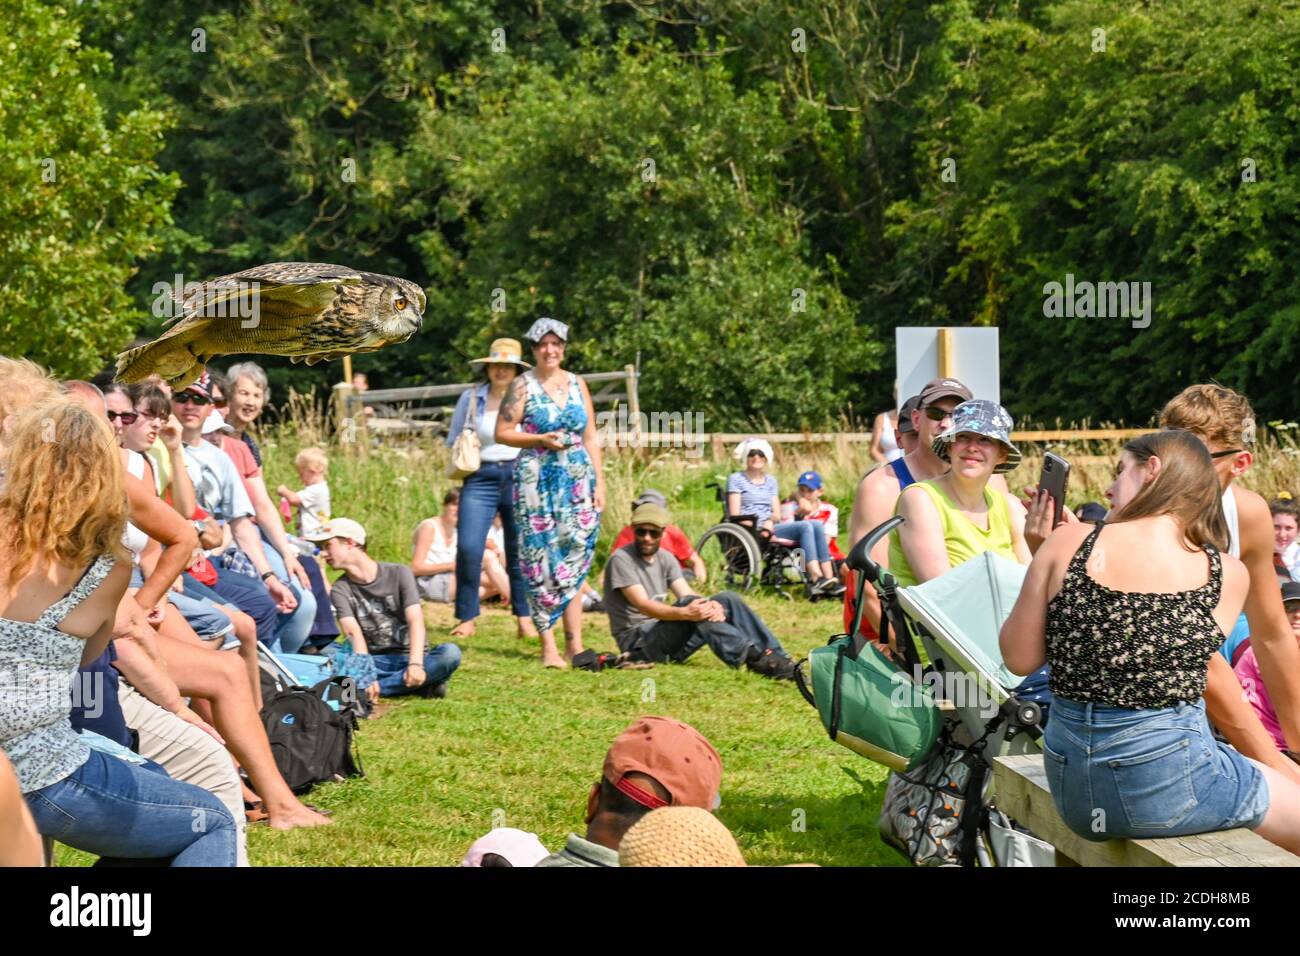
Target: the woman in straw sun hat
(488, 491)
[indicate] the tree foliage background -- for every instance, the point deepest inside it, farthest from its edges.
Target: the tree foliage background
(501, 158)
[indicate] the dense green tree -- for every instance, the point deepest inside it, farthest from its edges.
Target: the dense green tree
(637, 197)
(1115, 142)
(82, 199)
(898, 162)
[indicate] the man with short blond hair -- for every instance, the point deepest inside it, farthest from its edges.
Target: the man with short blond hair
(1224, 420)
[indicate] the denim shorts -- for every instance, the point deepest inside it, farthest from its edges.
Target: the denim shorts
(1118, 772)
(436, 587)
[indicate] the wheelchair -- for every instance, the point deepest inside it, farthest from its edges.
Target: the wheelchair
(739, 554)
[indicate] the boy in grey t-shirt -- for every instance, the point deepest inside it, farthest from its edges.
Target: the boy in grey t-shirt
(640, 582)
(379, 610)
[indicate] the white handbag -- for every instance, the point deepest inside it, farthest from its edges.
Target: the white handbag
(465, 450)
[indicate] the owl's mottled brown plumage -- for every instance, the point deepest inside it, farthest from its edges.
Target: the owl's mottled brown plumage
(308, 311)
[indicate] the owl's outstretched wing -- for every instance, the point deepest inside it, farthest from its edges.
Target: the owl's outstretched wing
(282, 289)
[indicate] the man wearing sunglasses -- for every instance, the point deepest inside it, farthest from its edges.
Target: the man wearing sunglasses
(877, 494)
(638, 581)
(221, 494)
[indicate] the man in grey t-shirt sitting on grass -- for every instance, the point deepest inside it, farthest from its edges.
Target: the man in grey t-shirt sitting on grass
(638, 579)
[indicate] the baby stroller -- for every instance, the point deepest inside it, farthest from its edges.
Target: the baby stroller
(939, 809)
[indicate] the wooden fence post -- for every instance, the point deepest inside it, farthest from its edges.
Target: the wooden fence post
(349, 419)
(633, 404)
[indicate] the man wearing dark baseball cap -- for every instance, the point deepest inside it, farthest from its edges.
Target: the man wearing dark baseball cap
(905, 434)
(674, 539)
(655, 616)
(878, 492)
(656, 762)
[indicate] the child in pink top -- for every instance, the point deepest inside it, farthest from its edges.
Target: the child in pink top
(1247, 670)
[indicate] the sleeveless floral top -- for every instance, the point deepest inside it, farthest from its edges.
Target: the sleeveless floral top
(1130, 649)
(38, 664)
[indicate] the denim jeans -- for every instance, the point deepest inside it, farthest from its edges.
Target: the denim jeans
(731, 639)
(439, 664)
(1119, 772)
(292, 629)
(808, 535)
(111, 808)
(325, 628)
(487, 492)
(245, 593)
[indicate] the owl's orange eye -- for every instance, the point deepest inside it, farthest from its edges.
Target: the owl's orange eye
(399, 303)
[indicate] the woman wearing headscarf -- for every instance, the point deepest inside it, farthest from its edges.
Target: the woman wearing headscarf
(559, 486)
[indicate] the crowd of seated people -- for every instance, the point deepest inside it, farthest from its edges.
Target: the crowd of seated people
(155, 574)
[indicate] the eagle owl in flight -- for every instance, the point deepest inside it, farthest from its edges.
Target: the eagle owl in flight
(308, 311)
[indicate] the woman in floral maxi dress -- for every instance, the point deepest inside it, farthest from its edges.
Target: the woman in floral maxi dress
(559, 486)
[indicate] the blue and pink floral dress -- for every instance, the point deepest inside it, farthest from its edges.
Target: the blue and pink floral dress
(554, 502)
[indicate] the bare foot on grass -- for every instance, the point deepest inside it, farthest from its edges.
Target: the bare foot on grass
(464, 629)
(292, 815)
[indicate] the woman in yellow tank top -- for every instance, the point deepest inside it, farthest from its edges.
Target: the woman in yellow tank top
(956, 516)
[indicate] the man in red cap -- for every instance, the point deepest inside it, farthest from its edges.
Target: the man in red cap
(656, 762)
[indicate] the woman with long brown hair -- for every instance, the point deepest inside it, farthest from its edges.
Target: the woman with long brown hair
(63, 572)
(1128, 614)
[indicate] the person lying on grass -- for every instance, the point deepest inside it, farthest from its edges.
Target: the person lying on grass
(656, 762)
(638, 579)
(378, 608)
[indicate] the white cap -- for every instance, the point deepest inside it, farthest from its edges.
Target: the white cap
(339, 528)
(215, 423)
(753, 444)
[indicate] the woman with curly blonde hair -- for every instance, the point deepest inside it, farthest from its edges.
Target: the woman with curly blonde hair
(63, 571)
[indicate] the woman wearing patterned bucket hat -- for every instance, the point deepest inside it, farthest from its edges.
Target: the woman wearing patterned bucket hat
(950, 519)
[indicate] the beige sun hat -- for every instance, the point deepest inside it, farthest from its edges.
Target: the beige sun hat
(503, 352)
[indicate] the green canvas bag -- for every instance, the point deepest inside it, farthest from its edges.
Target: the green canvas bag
(868, 704)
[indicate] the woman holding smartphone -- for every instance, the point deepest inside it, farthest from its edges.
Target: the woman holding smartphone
(950, 519)
(1127, 614)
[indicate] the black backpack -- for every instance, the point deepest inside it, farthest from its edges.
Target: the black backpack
(311, 742)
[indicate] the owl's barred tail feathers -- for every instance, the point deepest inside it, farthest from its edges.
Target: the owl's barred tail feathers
(137, 364)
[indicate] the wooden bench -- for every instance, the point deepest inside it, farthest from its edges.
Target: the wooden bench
(1020, 786)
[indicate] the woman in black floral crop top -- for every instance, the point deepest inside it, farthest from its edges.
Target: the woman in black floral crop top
(1128, 614)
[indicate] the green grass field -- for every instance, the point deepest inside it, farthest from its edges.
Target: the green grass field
(518, 746)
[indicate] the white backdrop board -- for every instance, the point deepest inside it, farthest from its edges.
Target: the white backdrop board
(972, 359)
